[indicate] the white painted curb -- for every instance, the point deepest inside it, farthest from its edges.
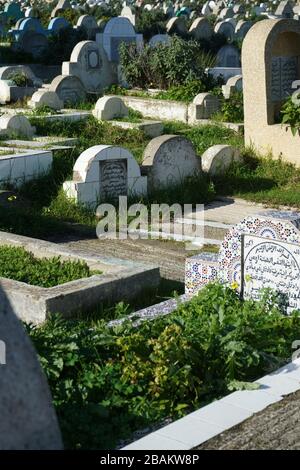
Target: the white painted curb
(215, 418)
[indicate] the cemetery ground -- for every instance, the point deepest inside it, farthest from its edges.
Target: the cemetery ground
(43, 210)
(144, 377)
(135, 334)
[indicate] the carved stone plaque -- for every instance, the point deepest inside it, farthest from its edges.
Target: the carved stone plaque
(284, 73)
(113, 179)
(269, 263)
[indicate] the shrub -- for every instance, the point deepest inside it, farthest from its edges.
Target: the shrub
(108, 382)
(188, 91)
(21, 265)
(232, 110)
(164, 65)
(149, 23)
(20, 79)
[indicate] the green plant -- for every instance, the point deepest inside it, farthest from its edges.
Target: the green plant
(290, 115)
(21, 265)
(108, 382)
(165, 65)
(20, 79)
(232, 109)
(150, 23)
(133, 116)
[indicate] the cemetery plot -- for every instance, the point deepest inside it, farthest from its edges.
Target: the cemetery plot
(109, 279)
(73, 134)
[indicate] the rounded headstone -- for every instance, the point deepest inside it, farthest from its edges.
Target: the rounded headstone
(16, 124)
(28, 420)
(169, 159)
(110, 107)
(218, 158)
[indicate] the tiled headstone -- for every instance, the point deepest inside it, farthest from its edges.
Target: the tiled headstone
(261, 251)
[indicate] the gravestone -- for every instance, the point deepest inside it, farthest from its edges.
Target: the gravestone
(90, 64)
(218, 158)
(168, 160)
(28, 420)
(242, 28)
(285, 9)
(233, 84)
(239, 9)
(44, 97)
(177, 25)
(201, 29)
(16, 124)
(57, 24)
(69, 89)
(261, 251)
(8, 71)
(109, 107)
(268, 76)
(128, 12)
(226, 13)
(34, 43)
(159, 39)
(205, 105)
(228, 56)
(31, 24)
(89, 25)
(118, 30)
(103, 173)
(13, 11)
(60, 7)
(226, 29)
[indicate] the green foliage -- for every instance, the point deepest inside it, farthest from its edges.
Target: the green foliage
(186, 92)
(150, 23)
(21, 265)
(165, 65)
(61, 45)
(232, 110)
(42, 110)
(108, 382)
(20, 79)
(133, 116)
(290, 115)
(261, 179)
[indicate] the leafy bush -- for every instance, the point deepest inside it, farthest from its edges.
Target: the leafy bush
(232, 109)
(149, 23)
(165, 65)
(290, 115)
(20, 79)
(108, 382)
(21, 265)
(186, 92)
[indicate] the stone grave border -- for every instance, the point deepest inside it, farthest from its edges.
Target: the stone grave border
(120, 280)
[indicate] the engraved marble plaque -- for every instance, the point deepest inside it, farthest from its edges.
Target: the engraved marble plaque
(113, 178)
(273, 264)
(284, 73)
